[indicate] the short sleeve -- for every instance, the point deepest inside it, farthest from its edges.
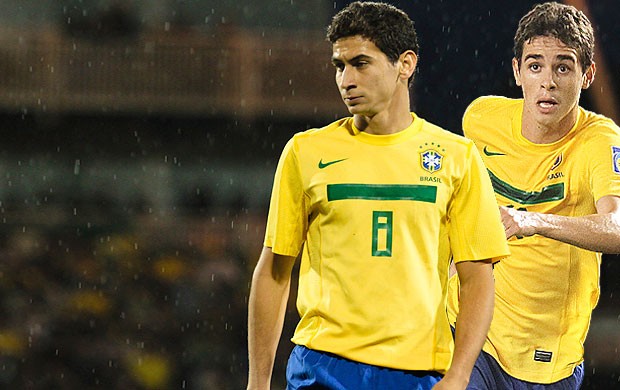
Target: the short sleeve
(475, 227)
(287, 219)
(603, 157)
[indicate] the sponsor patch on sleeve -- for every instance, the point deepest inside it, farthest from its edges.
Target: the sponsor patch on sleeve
(615, 155)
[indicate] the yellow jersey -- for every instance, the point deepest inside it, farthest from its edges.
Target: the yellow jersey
(377, 219)
(545, 290)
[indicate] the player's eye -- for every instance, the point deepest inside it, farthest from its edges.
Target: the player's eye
(338, 65)
(360, 64)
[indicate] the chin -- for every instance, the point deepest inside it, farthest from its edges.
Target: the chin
(549, 120)
(355, 111)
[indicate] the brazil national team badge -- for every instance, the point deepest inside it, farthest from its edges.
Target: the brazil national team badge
(615, 153)
(431, 160)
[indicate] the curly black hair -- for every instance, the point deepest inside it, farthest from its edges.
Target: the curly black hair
(560, 21)
(388, 27)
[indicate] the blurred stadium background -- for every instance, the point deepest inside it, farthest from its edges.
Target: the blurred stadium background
(138, 141)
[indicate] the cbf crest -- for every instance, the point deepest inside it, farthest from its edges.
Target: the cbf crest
(431, 159)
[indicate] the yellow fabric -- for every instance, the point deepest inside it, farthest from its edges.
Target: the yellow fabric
(377, 231)
(546, 290)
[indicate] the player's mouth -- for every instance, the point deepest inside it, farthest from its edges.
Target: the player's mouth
(352, 99)
(546, 105)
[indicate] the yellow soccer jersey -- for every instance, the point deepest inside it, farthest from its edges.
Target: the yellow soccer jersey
(378, 218)
(546, 290)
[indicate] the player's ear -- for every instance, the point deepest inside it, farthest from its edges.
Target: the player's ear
(516, 71)
(588, 76)
(408, 60)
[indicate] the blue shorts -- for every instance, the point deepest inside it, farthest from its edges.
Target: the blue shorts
(309, 369)
(489, 375)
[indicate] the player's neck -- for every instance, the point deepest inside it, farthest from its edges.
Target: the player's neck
(389, 121)
(382, 124)
(546, 133)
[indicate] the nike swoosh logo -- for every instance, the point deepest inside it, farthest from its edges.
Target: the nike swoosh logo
(326, 164)
(489, 153)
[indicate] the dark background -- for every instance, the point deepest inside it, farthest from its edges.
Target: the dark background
(131, 216)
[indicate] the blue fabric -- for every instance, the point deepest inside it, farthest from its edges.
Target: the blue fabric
(309, 369)
(489, 375)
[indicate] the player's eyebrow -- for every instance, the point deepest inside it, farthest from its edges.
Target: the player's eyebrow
(565, 57)
(533, 57)
(559, 57)
(357, 58)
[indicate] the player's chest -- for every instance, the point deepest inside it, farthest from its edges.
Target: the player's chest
(538, 181)
(422, 172)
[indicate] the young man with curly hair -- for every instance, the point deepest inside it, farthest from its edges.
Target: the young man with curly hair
(555, 168)
(377, 204)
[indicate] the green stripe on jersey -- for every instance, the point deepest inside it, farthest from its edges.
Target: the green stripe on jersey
(420, 193)
(547, 194)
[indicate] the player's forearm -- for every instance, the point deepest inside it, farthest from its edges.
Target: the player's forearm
(597, 232)
(266, 310)
(474, 319)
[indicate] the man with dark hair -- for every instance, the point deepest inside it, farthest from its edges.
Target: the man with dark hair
(555, 168)
(377, 204)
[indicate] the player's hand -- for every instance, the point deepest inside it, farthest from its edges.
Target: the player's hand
(518, 223)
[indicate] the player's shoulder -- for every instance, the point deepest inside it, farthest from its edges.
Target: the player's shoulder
(491, 104)
(445, 136)
(598, 124)
(489, 112)
(337, 126)
(318, 135)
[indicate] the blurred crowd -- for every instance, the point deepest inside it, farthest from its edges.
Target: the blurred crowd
(101, 296)
(147, 302)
